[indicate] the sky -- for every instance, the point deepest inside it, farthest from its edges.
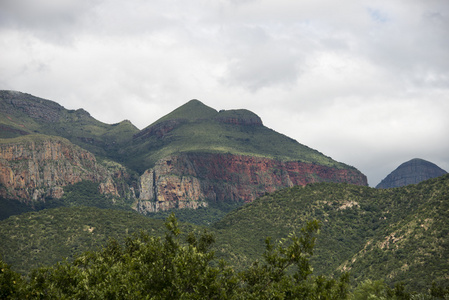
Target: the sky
(364, 82)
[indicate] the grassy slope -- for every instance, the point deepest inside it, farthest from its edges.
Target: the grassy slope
(36, 115)
(416, 216)
(200, 131)
(203, 133)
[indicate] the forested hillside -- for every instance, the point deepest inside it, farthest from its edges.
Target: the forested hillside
(396, 235)
(399, 235)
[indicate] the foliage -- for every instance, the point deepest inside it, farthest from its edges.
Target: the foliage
(398, 235)
(9, 281)
(204, 216)
(394, 235)
(151, 267)
(10, 207)
(83, 193)
(269, 280)
(378, 290)
(43, 238)
(86, 193)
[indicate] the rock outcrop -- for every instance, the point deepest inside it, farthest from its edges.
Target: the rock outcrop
(191, 180)
(411, 172)
(36, 167)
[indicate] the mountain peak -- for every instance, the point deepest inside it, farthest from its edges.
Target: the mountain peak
(191, 111)
(411, 172)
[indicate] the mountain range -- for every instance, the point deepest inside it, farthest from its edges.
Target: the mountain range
(190, 158)
(69, 182)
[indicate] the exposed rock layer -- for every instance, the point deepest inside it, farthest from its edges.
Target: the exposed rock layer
(411, 172)
(193, 180)
(37, 168)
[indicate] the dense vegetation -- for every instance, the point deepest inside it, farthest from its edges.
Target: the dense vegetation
(399, 235)
(46, 237)
(395, 235)
(205, 216)
(83, 193)
(151, 267)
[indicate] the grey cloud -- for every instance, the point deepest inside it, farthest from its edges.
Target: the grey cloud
(364, 82)
(43, 13)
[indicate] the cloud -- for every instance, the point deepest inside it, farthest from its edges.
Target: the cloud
(363, 82)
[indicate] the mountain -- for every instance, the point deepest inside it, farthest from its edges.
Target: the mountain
(24, 114)
(196, 155)
(190, 158)
(411, 172)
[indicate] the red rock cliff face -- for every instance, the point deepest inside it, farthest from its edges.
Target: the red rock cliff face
(36, 169)
(192, 180)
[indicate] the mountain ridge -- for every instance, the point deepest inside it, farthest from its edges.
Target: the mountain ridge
(245, 158)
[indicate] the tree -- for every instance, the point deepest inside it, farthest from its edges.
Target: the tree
(273, 279)
(148, 267)
(10, 281)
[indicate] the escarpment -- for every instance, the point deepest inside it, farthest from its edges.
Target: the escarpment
(36, 167)
(189, 158)
(192, 180)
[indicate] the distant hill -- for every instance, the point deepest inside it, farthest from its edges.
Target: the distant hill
(411, 172)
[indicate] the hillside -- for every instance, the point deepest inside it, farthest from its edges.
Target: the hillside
(395, 234)
(195, 127)
(23, 114)
(43, 238)
(411, 172)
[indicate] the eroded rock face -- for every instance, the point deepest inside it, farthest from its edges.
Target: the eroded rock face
(193, 180)
(411, 172)
(33, 169)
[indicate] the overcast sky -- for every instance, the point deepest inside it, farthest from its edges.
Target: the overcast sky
(364, 82)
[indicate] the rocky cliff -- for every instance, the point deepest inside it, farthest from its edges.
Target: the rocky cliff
(411, 172)
(191, 180)
(186, 159)
(36, 167)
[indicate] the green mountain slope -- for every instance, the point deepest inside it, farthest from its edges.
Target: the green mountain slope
(195, 127)
(396, 234)
(22, 114)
